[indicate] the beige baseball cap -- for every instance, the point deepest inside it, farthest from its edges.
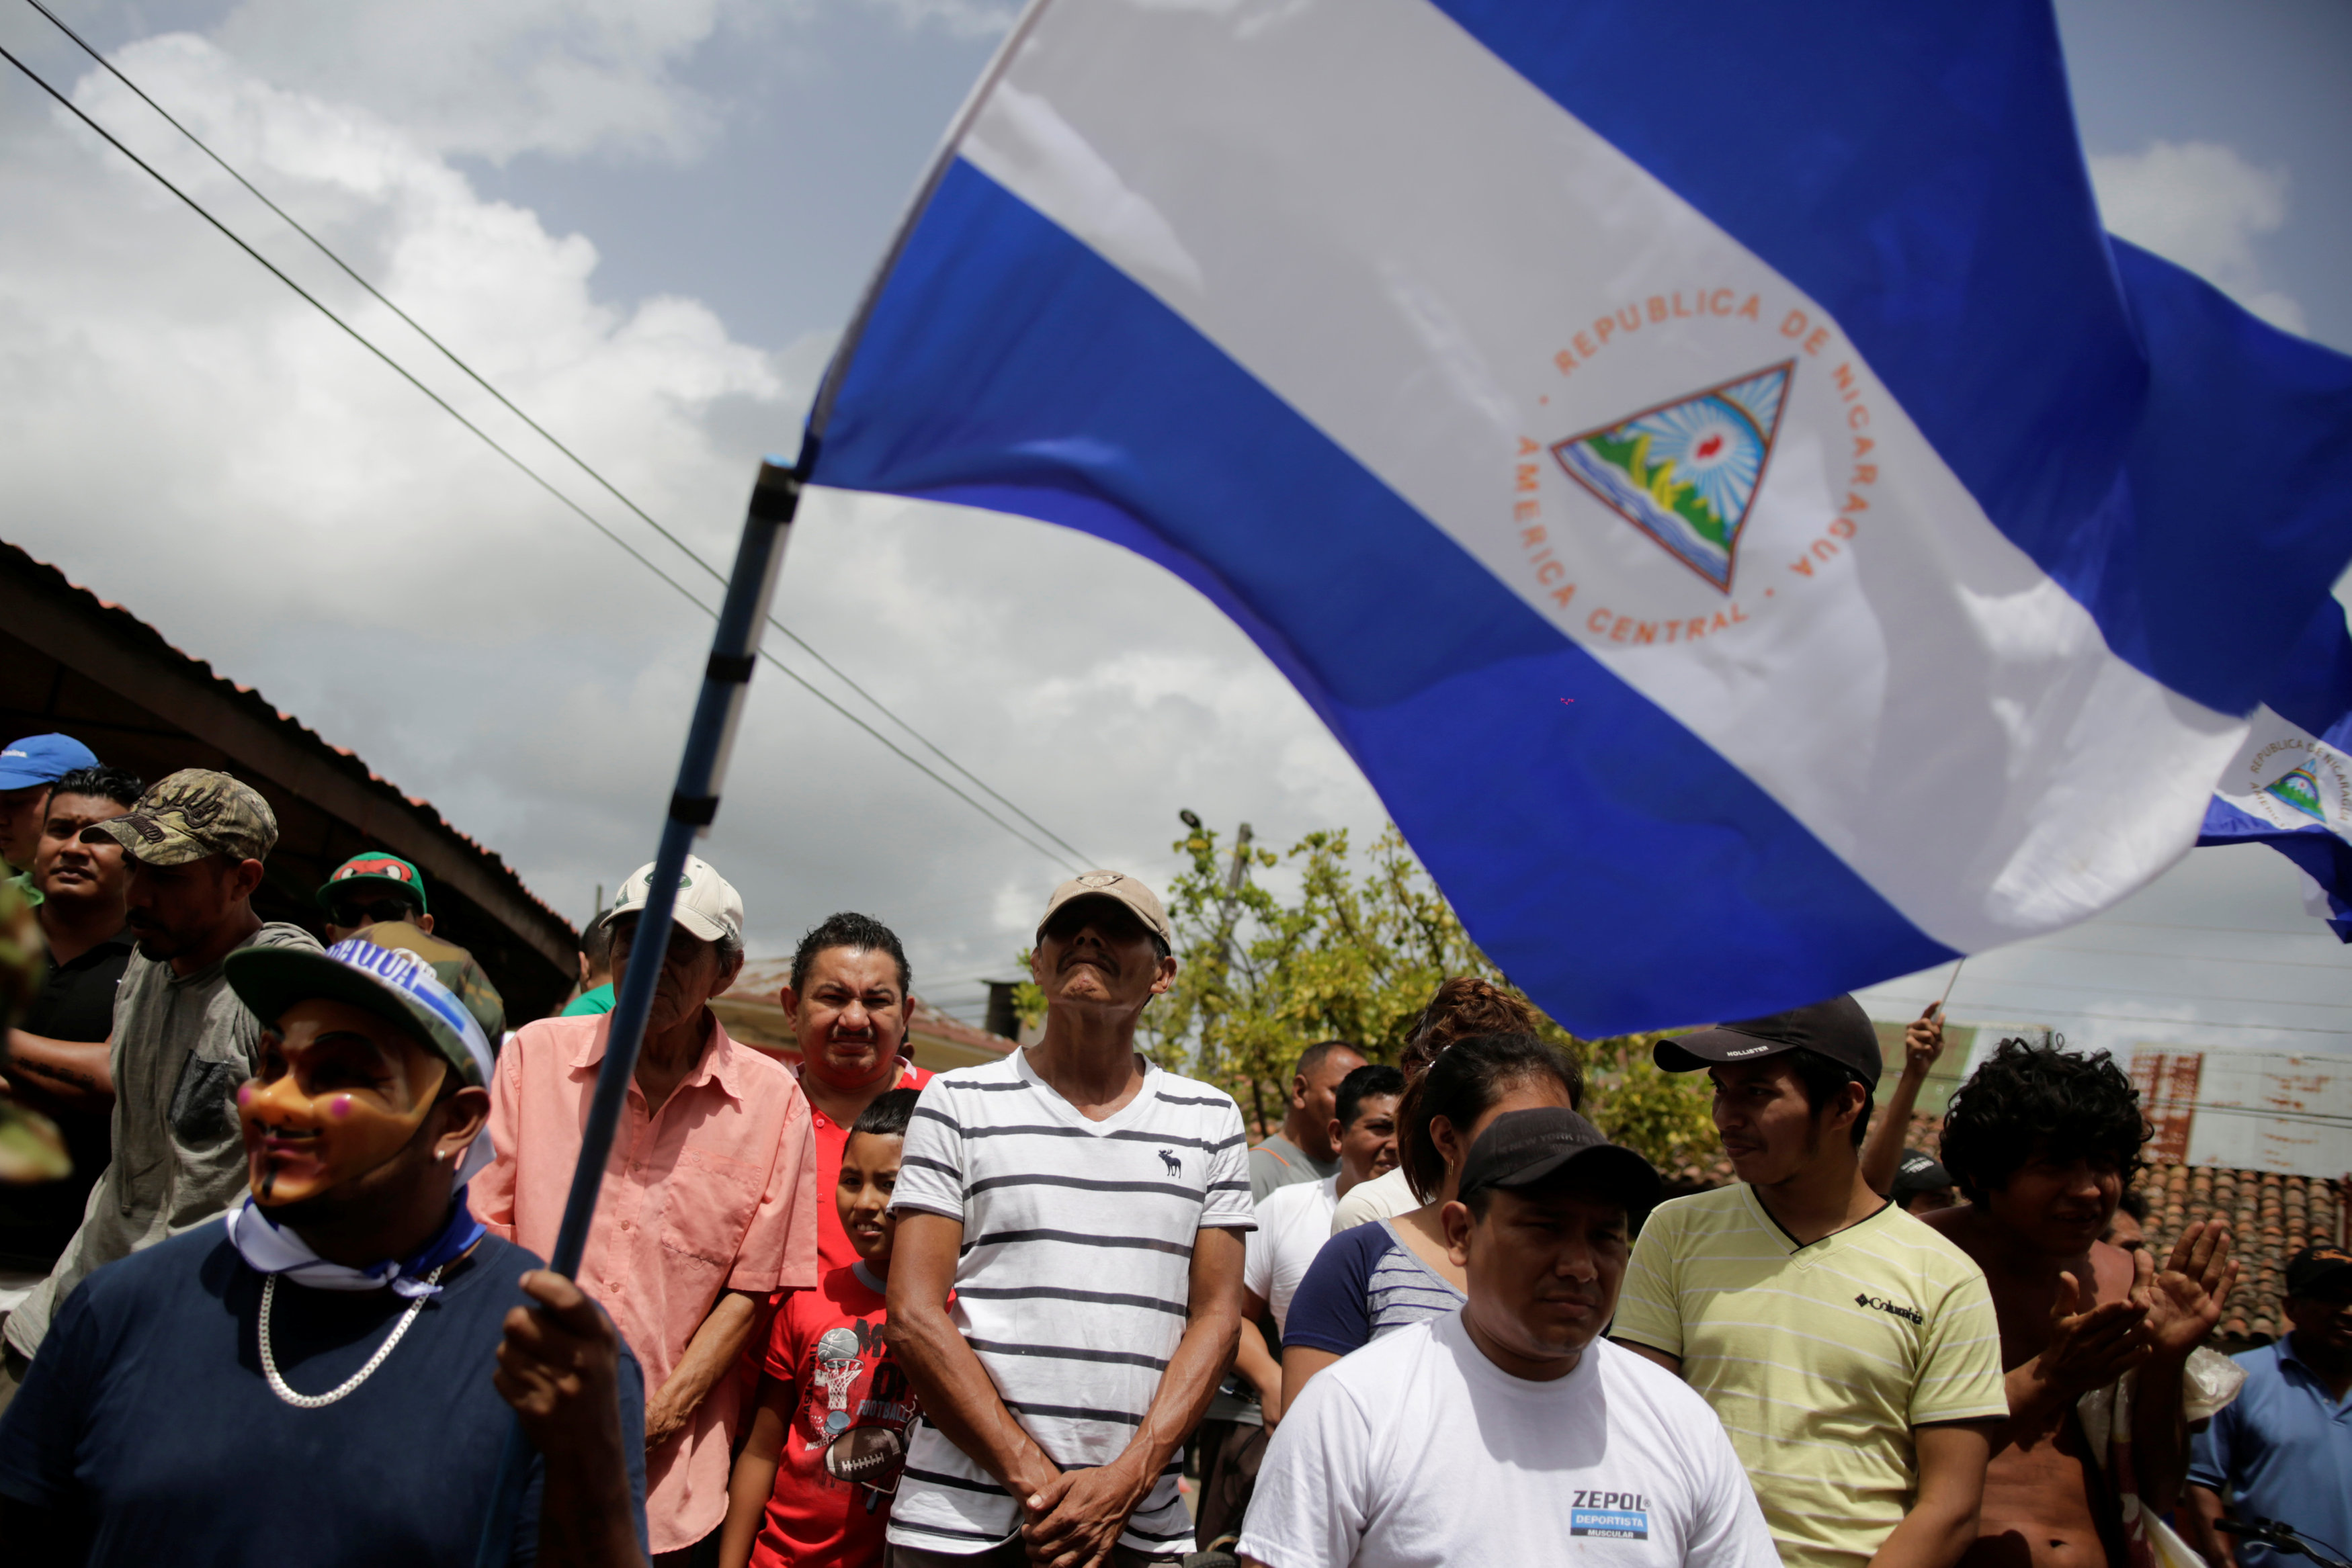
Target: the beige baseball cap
(1115, 884)
(708, 904)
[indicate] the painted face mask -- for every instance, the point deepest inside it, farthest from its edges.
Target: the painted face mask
(340, 1093)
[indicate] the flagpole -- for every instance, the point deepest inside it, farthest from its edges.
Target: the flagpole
(734, 650)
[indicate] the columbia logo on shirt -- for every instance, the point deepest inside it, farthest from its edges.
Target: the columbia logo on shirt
(1909, 1314)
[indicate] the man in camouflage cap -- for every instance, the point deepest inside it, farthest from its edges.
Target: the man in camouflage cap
(182, 1042)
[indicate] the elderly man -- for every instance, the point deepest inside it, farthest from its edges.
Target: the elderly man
(1509, 1431)
(182, 1042)
(847, 1000)
(1086, 1209)
(709, 1200)
(83, 900)
(319, 1377)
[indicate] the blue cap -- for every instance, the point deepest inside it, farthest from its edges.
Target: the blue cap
(40, 759)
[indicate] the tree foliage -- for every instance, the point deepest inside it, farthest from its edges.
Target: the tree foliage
(1353, 953)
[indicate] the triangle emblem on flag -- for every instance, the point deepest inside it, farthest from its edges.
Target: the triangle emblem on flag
(2299, 788)
(1685, 472)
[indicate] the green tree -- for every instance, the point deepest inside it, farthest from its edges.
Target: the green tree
(1352, 954)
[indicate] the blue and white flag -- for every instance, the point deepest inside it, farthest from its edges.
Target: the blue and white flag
(2290, 786)
(1705, 461)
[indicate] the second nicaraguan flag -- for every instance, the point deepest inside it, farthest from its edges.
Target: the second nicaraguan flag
(1759, 379)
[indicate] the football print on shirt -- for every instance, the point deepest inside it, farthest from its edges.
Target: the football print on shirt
(855, 1410)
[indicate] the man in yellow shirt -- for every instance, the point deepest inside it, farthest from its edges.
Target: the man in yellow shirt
(1850, 1350)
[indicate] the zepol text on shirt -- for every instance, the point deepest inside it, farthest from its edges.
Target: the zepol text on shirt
(1530, 470)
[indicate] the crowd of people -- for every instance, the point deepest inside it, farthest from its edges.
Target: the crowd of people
(836, 1310)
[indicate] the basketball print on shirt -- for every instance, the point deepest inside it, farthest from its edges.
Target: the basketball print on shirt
(855, 1409)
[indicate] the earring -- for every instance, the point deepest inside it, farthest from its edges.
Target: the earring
(440, 1155)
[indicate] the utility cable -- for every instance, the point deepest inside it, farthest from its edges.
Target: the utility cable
(521, 466)
(504, 402)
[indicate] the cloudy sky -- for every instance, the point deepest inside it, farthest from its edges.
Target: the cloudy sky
(644, 223)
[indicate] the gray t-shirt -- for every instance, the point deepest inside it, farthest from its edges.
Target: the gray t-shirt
(182, 1045)
(1278, 1162)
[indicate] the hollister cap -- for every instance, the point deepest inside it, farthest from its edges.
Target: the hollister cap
(1520, 1148)
(389, 979)
(1918, 1172)
(1837, 1028)
(1116, 885)
(707, 906)
(191, 814)
(40, 759)
(2314, 1267)
(371, 873)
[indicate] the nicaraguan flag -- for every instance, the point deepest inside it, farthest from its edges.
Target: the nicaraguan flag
(1705, 460)
(2290, 786)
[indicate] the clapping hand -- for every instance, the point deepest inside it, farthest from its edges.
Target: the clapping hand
(2090, 1349)
(2184, 1301)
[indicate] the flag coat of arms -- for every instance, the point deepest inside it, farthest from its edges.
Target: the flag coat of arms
(1759, 379)
(2290, 785)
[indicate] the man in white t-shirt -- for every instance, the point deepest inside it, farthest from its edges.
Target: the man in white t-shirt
(1510, 1431)
(1293, 1222)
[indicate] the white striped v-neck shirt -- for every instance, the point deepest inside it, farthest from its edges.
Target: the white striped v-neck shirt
(1074, 1276)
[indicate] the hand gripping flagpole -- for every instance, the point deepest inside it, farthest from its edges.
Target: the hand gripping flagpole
(734, 649)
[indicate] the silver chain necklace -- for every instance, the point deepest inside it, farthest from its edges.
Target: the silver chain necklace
(315, 1401)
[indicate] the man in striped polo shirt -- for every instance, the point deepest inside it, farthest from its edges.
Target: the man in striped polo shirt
(1850, 1352)
(1086, 1210)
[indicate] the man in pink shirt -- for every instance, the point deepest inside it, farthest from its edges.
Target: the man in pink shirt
(710, 1201)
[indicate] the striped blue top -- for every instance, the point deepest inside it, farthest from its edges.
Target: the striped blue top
(1364, 1283)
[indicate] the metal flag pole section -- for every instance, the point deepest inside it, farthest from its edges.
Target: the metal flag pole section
(734, 650)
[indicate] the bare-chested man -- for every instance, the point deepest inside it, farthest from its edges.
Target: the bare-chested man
(2042, 1142)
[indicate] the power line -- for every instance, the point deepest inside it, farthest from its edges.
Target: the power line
(2116, 1017)
(524, 468)
(2183, 957)
(2142, 991)
(578, 461)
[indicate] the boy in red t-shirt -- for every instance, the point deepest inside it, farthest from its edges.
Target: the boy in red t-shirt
(812, 1487)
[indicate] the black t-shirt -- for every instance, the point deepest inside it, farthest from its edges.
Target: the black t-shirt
(145, 1415)
(77, 1003)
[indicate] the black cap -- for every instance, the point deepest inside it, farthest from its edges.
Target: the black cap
(1520, 1148)
(2313, 1266)
(1837, 1028)
(1918, 1172)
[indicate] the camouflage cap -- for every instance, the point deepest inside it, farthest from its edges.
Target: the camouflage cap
(193, 813)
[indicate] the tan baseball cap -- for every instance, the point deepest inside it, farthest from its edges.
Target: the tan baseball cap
(1141, 901)
(707, 905)
(191, 814)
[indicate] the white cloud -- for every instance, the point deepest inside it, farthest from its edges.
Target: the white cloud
(190, 439)
(962, 18)
(2200, 204)
(564, 77)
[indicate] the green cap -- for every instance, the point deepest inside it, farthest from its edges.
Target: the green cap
(371, 872)
(388, 969)
(193, 813)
